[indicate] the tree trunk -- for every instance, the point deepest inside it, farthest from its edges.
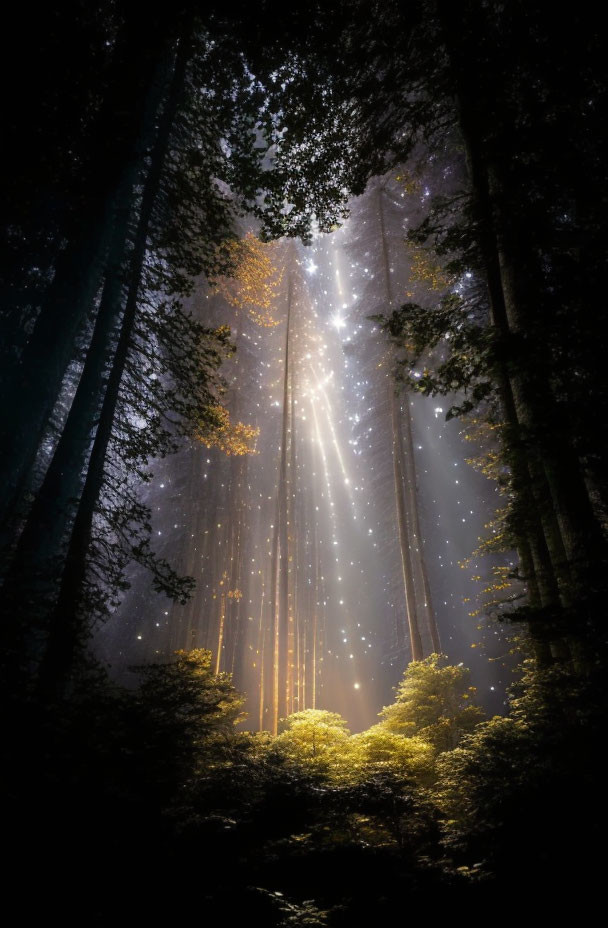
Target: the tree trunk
(279, 594)
(30, 396)
(556, 484)
(52, 512)
(416, 535)
(417, 652)
(580, 531)
(293, 634)
(66, 626)
(282, 669)
(542, 649)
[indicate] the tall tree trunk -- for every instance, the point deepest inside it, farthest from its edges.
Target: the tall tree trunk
(313, 639)
(542, 648)
(66, 625)
(417, 652)
(220, 633)
(284, 528)
(398, 468)
(556, 485)
(579, 529)
(30, 395)
(528, 473)
(261, 655)
(271, 667)
(52, 512)
(293, 666)
(29, 400)
(239, 576)
(416, 534)
(192, 551)
(280, 544)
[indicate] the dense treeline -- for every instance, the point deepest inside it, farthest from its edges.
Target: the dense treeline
(523, 323)
(166, 808)
(134, 139)
(149, 160)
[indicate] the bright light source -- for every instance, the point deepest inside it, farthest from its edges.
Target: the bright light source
(338, 322)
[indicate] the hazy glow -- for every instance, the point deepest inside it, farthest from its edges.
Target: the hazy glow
(343, 545)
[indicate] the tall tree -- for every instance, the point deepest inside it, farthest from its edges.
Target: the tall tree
(380, 217)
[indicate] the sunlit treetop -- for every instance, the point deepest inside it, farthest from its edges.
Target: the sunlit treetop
(378, 750)
(434, 701)
(312, 737)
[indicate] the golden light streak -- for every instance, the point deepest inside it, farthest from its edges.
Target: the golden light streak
(336, 444)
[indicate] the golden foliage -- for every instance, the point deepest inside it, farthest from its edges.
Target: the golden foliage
(312, 738)
(495, 592)
(480, 430)
(427, 272)
(489, 461)
(494, 543)
(319, 741)
(499, 588)
(255, 281)
(434, 703)
(233, 438)
(489, 464)
(379, 750)
(408, 182)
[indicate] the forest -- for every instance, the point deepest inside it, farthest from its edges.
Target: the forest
(304, 445)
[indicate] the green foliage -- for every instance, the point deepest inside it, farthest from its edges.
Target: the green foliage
(186, 692)
(468, 365)
(380, 752)
(162, 777)
(318, 741)
(289, 119)
(312, 739)
(435, 702)
(520, 793)
(190, 714)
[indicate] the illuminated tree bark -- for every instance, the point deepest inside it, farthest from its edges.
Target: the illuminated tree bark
(239, 577)
(312, 640)
(261, 656)
(399, 475)
(222, 620)
(283, 617)
(293, 498)
(404, 540)
(279, 603)
(416, 535)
